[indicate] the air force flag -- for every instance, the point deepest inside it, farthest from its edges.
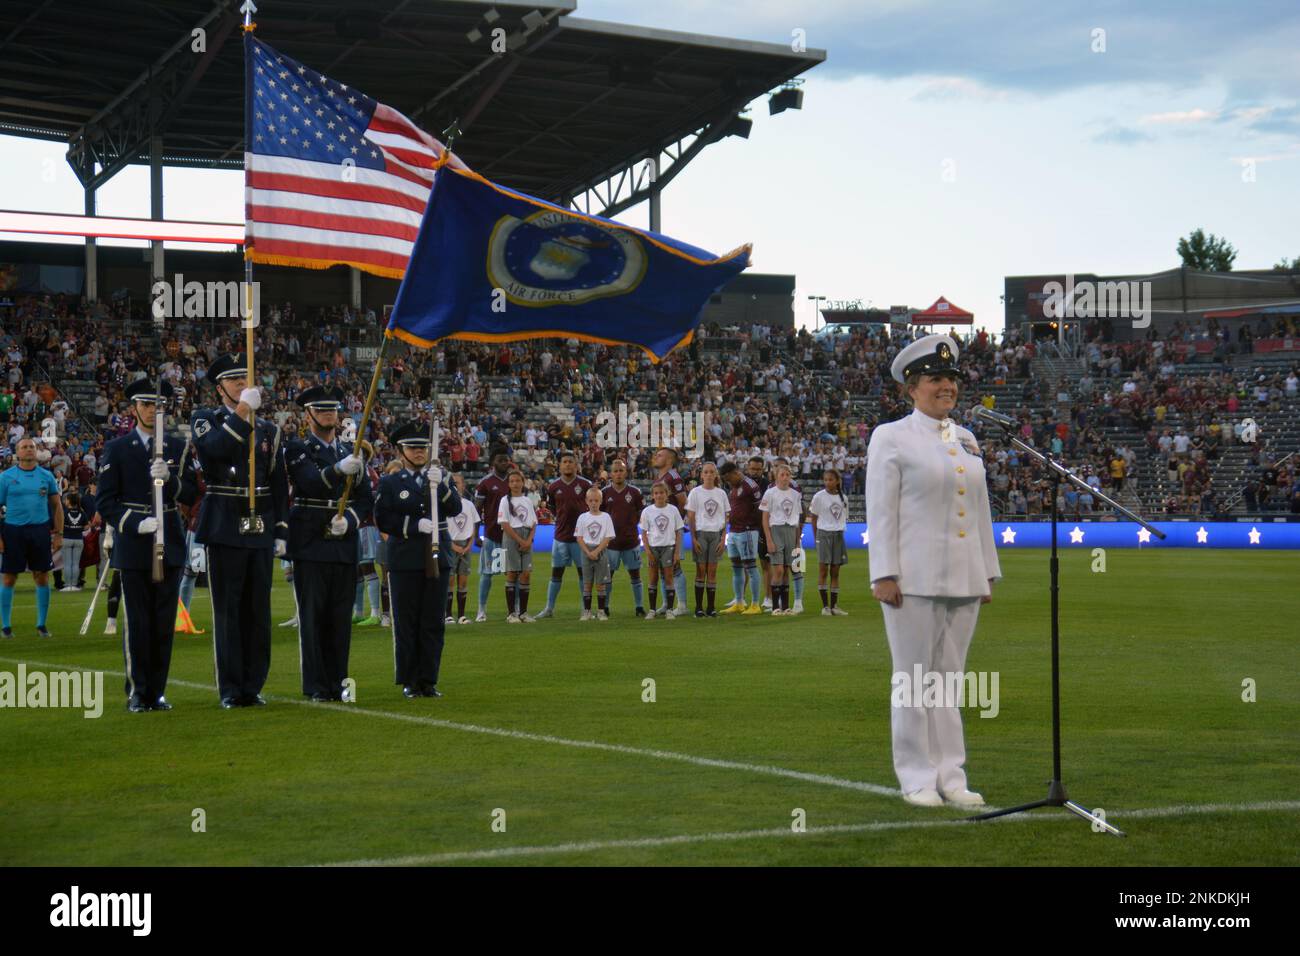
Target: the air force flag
(495, 265)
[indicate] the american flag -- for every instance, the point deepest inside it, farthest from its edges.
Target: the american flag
(331, 175)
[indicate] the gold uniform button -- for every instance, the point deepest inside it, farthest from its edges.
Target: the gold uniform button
(961, 534)
(952, 451)
(961, 514)
(961, 491)
(961, 469)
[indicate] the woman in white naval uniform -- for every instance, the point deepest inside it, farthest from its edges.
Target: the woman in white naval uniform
(933, 561)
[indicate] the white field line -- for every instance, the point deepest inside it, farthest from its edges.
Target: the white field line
(667, 755)
(560, 849)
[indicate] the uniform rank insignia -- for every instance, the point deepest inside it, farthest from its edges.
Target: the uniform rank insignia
(404, 495)
(947, 430)
(202, 427)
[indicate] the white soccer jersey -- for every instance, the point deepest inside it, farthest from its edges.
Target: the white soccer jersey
(711, 507)
(831, 511)
(464, 525)
(785, 507)
(661, 525)
(593, 529)
(519, 511)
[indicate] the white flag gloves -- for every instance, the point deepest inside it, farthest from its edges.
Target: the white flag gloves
(252, 398)
(425, 526)
(351, 465)
(338, 526)
(281, 548)
(159, 470)
(147, 525)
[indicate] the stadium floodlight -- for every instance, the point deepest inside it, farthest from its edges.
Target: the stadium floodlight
(786, 99)
(740, 125)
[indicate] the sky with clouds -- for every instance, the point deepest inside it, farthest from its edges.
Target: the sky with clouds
(945, 145)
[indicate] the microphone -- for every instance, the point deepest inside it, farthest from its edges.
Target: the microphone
(997, 418)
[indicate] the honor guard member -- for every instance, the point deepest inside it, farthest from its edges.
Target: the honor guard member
(419, 603)
(933, 562)
(240, 545)
(323, 543)
(125, 499)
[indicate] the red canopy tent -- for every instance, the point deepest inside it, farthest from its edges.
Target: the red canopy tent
(943, 312)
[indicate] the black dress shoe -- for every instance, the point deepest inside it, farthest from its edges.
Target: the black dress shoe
(410, 693)
(257, 700)
(229, 703)
(430, 691)
(161, 704)
(136, 706)
(321, 698)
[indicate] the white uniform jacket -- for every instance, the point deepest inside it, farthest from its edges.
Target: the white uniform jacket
(928, 518)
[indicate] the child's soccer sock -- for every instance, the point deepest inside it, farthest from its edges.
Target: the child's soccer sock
(6, 604)
(461, 597)
(712, 592)
(586, 601)
(523, 598)
(510, 599)
(825, 599)
(553, 591)
(383, 595)
(484, 588)
(602, 601)
(654, 598)
(835, 596)
(670, 598)
(42, 603)
(699, 596)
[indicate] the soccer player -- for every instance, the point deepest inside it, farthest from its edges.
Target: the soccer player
(756, 468)
(32, 532)
(595, 531)
(463, 531)
(624, 503)
(782, 509)
(706, 515)
(487, 500)
(567, 496)
(661, 534)
(830, 512)
(666, 464)
(745, 496)
(517, 519)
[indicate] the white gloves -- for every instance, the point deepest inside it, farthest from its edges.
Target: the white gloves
(338, 526)
(159, 470)
(147, 525)
(351, 465)
(252, 398)
(281, 548)
(434, 474)
(426, 526)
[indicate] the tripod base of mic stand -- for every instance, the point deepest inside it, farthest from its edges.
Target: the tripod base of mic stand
(1056, 797)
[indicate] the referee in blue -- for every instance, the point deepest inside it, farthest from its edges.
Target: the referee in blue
(32, 531)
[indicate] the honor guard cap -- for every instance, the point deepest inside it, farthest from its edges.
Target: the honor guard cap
(228, 366)
(410, 434)
(931, 354)
(144, 390)
(321, 398)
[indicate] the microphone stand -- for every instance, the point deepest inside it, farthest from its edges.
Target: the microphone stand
(1056, 792)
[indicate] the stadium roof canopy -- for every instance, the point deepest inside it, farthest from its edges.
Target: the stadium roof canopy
(571, 105)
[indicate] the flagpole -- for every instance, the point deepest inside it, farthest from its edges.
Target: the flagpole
(253, 524)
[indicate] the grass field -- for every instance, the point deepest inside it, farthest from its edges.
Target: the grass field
(753, 718)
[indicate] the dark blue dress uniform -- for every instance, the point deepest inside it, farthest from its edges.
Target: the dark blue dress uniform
(240, 566)
(125, 498)
(324, 567)
(419, 603)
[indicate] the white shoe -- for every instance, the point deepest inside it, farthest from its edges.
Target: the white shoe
(292, 622)
(511, 618)
(964, 798)
(464, 620)
(527, 619)
(839, 611)
(827, 612)
(480, 617)
(449, 620)
(798, 608)
(386, 620)
(66, 588)
(110, 627)
(767, 604)
(545, 612)
(927, 797)
(650, 614)
(586, 616)
(602, 616)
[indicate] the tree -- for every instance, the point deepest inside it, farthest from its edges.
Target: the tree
(1288, 266)
(1206, 253)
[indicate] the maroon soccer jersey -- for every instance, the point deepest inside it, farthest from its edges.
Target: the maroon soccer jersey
(675, 487)
(487, 499)
(568, 499)
(745, 499)
(624, 509)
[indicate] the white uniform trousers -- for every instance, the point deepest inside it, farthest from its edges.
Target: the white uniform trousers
(934, 632)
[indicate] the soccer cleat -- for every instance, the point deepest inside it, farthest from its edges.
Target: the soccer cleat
(464, 619)
(7, 633)
(357, 618)
(839, 611)
(512, 618)
(926, 797)
(710, 613)
(602, 616)
(546, 612)
(777, 612)
(370, 621)
(964, 798)
(797, 609)
(292, 622)
(827, 612)
(699, 612)
(111, 626)
(753, 609)
(449, 619)
(650, 614)
(386, 620)
(480, 617)
(767, 604)
(584, 616)
(42, 631)
(735, 607)
(527, 619)
(640, 612)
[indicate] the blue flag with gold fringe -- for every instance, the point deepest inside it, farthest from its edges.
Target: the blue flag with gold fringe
(494, 265)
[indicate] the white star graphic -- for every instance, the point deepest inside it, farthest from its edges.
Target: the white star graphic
(1008, 536)
(1254, 536)
(1144, 536)
(1202, 535)
(1076, 536)
(865, 539)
